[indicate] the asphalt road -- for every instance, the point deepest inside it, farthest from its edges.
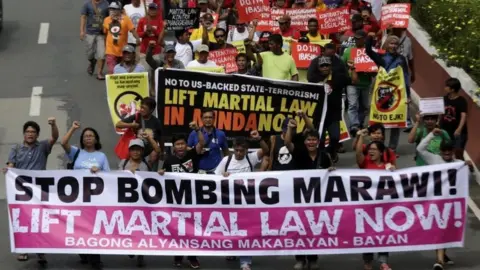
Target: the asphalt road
(56, 69)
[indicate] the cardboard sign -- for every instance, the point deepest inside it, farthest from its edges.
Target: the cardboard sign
(396, 15)
(269, 19)
(432, 106)
(362, 62)
(225, 58)
(303, 53)
(334, 20)
(249, 10)
(182, 18)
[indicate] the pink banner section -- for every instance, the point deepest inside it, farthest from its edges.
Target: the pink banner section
(424, 224)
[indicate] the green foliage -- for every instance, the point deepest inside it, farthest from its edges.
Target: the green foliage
(454, 26)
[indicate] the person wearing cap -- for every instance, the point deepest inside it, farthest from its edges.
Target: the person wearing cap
(168, 60)
(128, 63)
(347, 39)
(206, 23)
(358, 94)
(313, 34)
(277, 64)
(91, 20)
(202, 60)
(135, 11)
(263, 41)
(152, 30)
(335, 81)
(203, 6)
(116, 27)
(185, 160)
(285, 28)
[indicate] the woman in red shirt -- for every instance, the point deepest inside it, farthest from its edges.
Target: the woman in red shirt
(373, 158)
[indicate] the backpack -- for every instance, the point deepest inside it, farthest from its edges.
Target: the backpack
(143, 160)
(191, 46)
(230, 159)
(71, 164)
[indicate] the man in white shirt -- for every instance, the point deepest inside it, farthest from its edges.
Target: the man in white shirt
(243, 31)
(202, 60)
(135, 11)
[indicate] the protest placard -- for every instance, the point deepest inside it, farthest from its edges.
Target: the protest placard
(389, 99)
(249, 10)
(362, 62)
(334, 20)
(242, 103)
(268, 20)
(124, 94)
(431, 106)
(395, 15)
(225, 58)
(183, 18)
(269, 213)
(303, 53)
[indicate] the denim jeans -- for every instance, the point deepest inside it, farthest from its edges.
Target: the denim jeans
(358, 105)
(394, 138)
(245, 260)
(333, 129)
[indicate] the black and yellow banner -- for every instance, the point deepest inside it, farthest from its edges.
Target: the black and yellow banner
(242, 103)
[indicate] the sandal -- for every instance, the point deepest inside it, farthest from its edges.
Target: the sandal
(100, 77)
(22, 257)
(91, 67)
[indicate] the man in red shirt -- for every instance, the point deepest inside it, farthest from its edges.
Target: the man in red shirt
(286, 30)
(150, 28)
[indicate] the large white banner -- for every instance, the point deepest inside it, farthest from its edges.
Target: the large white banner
(268, 213)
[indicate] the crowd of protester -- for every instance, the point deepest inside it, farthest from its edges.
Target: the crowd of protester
(132, 38)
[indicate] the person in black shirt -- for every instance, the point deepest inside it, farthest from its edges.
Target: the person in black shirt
(185, 161)
(308, 156)
(220, 37)
(280, 158)
(145, 121)
(334, 83)
(455, 117)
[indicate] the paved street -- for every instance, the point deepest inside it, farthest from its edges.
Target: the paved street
(58, 70)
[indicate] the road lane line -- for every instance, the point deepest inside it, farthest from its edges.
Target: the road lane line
(473, 206)
(43, 33)
(36, 101)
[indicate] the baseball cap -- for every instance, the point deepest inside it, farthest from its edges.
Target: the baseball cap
(208, 17)
(128, 48)
(202, 48)
(170, 48)
(153, 6)
(360, 34)
(136, 142)
(203, 1)
(357, 17)
(324, 60)
(114, 5)
(284, 18)
(264, 36)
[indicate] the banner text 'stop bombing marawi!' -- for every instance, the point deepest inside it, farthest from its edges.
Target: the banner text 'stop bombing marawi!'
(242, 103)
(341, 187)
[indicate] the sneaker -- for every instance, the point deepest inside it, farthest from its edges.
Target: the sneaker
(437, 266)
(245, 267)
(447, 260)
(177, 263)
(300, 265)
(385, 266)
(313, 266)
(194, 264)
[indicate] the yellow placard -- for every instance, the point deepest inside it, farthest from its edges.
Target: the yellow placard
(389, 99)
(124, 93)
(240, 45)
(322, 42)
(208, 69)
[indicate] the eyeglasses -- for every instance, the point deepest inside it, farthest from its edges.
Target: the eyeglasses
(324, 65)
(219, 36)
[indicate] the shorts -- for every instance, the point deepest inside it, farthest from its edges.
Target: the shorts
(112, 61)
(95, 47)
(459, 142)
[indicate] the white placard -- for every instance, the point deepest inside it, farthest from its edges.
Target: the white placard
(432, 106)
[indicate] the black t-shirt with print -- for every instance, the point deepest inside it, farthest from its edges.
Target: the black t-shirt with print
(453, 114)
(188, 163)
(303, 160)
(282, 159)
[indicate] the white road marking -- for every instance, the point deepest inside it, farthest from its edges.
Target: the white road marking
(36, 101)
(43, 33)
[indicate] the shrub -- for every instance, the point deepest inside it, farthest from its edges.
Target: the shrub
(455, 30)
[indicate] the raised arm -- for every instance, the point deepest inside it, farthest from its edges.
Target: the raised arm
(377, 58)
(292, 125)
(413, 133)
(65, 140)
(53, 139)
(263, 151)
(201, 140)
(422, 150)
(308, 122)
(359, 147)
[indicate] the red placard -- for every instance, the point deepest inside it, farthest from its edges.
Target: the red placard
(334, 20)
(396, 15)
(225, 58)
(303, 53)
(248, 10)
(362, 62)
(299, 16)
